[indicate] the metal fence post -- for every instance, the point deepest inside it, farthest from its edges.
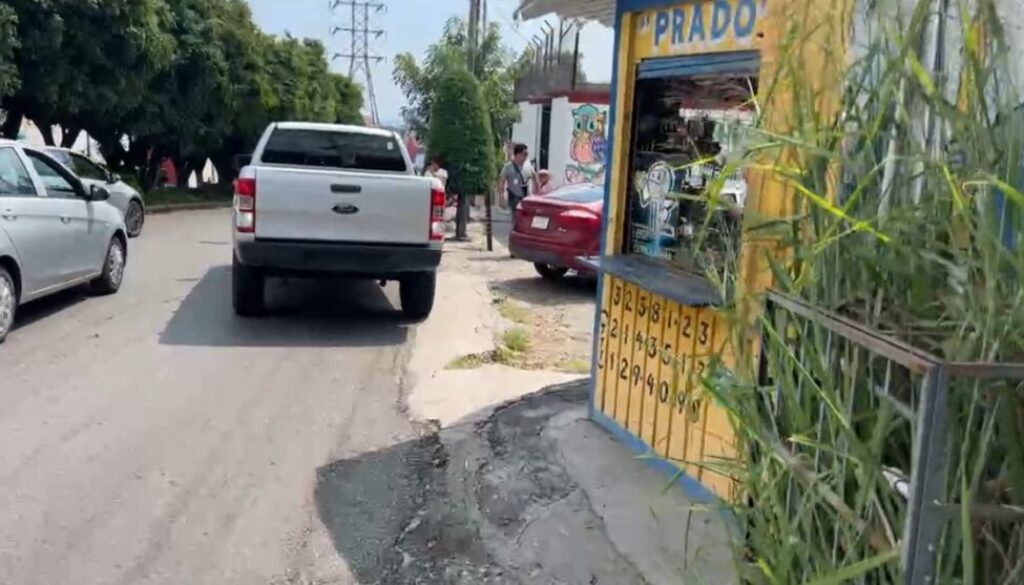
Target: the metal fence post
(924, 523)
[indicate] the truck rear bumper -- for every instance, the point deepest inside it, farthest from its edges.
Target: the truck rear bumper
(370, 260)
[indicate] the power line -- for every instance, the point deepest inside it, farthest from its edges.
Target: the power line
(360, 31)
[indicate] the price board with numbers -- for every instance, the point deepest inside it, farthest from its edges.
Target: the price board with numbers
(651, 356)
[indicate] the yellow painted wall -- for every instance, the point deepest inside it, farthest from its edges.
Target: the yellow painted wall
(652, 352)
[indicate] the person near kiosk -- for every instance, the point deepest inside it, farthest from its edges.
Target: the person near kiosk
(516, 178)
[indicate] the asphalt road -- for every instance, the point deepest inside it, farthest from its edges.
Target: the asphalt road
(153, 437)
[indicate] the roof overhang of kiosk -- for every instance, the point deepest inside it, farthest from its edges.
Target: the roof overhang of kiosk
(602, 11)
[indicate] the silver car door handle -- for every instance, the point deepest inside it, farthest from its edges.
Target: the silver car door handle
(65, 219)
(9, 215)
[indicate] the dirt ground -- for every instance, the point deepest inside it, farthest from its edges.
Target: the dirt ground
(548, 325)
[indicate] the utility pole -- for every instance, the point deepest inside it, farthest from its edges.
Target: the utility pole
(359, 54)
(462, 212)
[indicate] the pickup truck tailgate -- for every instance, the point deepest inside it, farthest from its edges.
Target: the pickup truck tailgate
(341, 206)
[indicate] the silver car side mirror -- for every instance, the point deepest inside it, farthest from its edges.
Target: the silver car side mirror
(98, 193)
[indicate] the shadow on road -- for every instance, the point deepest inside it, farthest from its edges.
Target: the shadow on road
(46, 306)
(300, 313)
(417, 511)
(571, 290)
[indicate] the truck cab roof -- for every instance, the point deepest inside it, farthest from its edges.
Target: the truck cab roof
(334, 128)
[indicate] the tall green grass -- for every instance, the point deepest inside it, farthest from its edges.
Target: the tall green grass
(899, 202)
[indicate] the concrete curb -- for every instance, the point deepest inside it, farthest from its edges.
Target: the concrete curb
(171, 208)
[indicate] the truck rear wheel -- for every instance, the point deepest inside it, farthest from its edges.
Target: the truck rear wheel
(247, 285)
(416, 291)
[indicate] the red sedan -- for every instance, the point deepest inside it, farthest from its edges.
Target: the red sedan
(553, 230)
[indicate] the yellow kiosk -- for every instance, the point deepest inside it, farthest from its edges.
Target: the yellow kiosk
(684, 82)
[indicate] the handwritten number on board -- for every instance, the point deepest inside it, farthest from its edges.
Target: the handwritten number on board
(629, 300)
(600, 360)
(617, 296)
(695, 408)
(615, 328)
(650, 384)
(687, 327)
(663, 392)
(642, 307)
(637, 373)
(705, 330)
(656, 312)
(652, 347)
(624, 369)
(666, 356)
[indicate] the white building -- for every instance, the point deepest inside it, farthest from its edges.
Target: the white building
(567, 134)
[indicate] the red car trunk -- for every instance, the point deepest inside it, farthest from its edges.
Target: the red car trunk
(556, 228)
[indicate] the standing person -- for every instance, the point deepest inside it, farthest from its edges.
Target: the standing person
(516, 178)
(435, 170)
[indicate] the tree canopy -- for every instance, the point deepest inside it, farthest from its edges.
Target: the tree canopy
(460, 131)
(188, 80)
(495, 67)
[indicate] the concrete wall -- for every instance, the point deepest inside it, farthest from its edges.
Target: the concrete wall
(527, 129)
(579, 139)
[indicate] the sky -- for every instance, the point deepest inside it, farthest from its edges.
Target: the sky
(411, 27)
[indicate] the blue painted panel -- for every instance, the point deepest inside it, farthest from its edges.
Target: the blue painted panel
(739, 63)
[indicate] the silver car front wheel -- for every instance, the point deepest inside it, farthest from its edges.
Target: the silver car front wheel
(113, 269)
(8, 303)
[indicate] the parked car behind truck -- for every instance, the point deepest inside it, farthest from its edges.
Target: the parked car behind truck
(122, 195)
(55, 232)
(323, 199)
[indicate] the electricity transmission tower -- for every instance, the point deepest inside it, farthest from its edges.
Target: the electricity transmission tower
(359, 30)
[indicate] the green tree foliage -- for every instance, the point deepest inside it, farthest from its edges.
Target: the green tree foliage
(495, 67)
(9, 78)
(460, 131)
(188, 80)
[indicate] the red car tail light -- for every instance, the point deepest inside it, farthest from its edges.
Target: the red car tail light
(579, 220)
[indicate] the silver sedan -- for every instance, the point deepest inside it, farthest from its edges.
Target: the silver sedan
(55, 232)
(122, 195)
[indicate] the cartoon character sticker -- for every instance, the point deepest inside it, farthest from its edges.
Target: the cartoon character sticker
(654, 215)
(589, 147)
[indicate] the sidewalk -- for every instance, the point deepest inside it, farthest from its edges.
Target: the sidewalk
(498, 332)
(510, 482)
(531, 494)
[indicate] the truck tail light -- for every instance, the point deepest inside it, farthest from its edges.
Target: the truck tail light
(437, 200)
(245, 205)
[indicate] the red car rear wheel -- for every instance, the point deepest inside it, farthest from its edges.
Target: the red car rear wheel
(550, 272)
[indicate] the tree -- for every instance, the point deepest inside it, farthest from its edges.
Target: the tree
(188, 80)
(84, 61)
(460, 133)
(349, 100)
(495, 69)
(9, 78)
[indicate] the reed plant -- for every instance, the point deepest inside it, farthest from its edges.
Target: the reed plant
(902, 214)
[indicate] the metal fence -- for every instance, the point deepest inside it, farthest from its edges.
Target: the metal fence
(944, 431)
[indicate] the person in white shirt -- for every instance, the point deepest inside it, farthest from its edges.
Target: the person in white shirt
(434, 169)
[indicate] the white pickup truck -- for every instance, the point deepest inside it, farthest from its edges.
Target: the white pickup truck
(326, 199)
